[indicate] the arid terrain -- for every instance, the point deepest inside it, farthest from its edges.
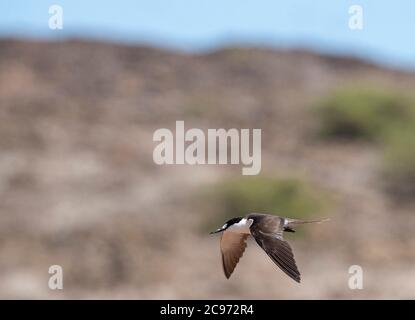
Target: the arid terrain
(79, 188)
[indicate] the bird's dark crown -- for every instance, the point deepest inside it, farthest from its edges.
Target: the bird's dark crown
(228, 224)
(233, 221)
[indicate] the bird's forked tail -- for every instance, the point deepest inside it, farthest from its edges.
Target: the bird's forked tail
(293, 222)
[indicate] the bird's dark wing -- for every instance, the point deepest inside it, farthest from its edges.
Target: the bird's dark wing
(232, 246)
(278, 250)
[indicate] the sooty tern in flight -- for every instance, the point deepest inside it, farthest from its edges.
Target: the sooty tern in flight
(267, 231)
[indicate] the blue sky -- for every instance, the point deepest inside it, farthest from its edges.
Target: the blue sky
(388, 35)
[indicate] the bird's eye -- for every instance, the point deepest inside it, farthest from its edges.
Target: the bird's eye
(224, 226)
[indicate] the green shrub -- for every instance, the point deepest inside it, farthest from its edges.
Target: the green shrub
(362, 113)
(398, 166)
(284, 197)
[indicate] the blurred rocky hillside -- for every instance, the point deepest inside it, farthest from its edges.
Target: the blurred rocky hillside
(79, 188)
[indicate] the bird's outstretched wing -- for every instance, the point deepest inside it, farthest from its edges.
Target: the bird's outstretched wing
(232, 246)
(278, 250)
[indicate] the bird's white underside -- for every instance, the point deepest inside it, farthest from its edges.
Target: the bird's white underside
(241, 227)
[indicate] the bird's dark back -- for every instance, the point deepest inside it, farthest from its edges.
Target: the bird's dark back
(266, 223)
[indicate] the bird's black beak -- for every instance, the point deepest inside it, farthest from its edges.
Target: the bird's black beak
(219, 230)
